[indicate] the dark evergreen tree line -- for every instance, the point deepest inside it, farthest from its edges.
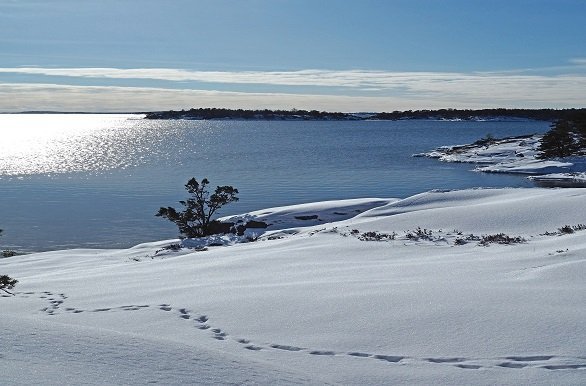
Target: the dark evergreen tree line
(566, 137)
(535, 114)
(222, 113)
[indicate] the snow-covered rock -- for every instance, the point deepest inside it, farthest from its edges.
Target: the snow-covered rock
(514, 155)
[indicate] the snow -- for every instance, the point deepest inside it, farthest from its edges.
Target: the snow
(514, 155)
(285, 220)
(576, 177)
(310, 302)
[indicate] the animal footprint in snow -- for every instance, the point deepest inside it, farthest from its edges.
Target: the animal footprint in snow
(445, 360)
(288, 348)
(253, 348)
(359, 354)
(201, 322)
(564, 367)
(165, 307)
(184, 314)
(133, 307)
(468, 367)
(319, 352)
(219, 334)
(512, 365)
(389, 358)
(531, 358)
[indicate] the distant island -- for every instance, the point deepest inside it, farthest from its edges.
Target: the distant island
(314, 115)
(273, 115)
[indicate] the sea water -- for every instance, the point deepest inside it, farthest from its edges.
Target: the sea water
(97, 180)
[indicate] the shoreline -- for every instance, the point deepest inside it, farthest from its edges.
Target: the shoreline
(515, 155)
(285, 221)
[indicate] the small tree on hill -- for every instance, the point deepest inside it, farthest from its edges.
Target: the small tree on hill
(196, 219)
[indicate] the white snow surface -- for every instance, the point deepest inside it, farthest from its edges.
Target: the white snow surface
(318, 304)
(514, 155)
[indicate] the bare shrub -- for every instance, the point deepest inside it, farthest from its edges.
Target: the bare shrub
(420, 234)
(501, 238)
(566, 229)
(377, 236)
(7, 283)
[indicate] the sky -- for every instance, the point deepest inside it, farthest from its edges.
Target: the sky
(334, 55)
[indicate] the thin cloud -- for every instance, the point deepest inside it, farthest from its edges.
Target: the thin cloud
(350, 90)
(350, 79)
(27, 97)
(578, 61)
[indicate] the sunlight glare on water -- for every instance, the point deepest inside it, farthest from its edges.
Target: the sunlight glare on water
(65, 143)
(94, 180)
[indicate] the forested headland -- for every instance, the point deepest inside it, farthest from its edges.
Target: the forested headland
(447, 114)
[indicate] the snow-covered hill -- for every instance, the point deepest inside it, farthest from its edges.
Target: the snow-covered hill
(412, 291)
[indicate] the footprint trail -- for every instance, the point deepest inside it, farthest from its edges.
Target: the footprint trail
(56, 301)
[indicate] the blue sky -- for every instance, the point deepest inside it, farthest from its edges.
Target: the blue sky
(342, 55)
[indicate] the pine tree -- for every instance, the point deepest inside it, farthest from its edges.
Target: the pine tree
(196, 219)
(562, 140)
